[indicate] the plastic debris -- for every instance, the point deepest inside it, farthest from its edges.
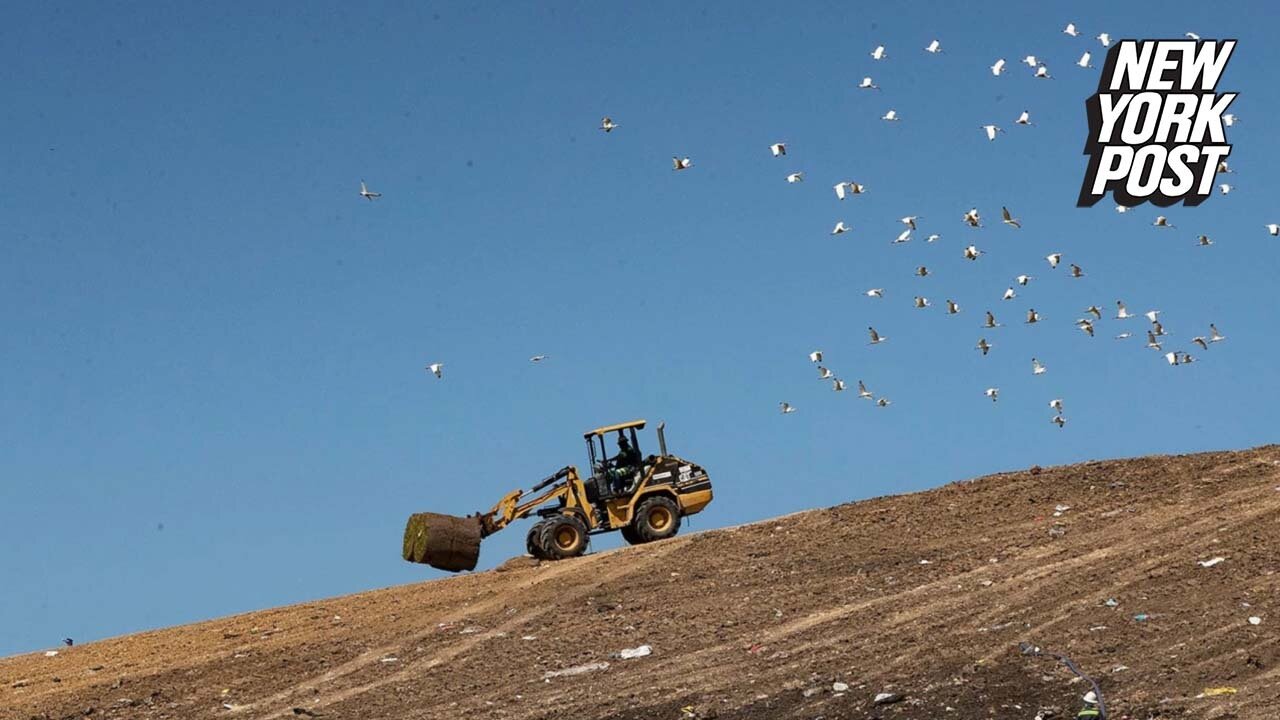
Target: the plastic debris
(1215, 691)
(1141, 617)
(389, 659)
(885, 698)
(839, 687)
(50, 653)
(1255, 620)
(1112, 602)
(1210, 563)
(636, 652)
(576, 670)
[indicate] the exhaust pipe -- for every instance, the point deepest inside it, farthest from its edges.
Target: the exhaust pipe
(662, 438)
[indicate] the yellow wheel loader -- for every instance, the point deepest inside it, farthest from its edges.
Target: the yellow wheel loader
(642, 497)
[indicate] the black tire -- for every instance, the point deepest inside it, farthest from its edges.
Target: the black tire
(563, 537)
(629, 534)
(533, 541)
(657, 518)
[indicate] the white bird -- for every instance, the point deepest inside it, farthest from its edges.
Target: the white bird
(1076, 272)
(998, 67)
(991, 321)
(368, 194)
(1084, 60)
(795, 177)
(1086, 326)
(1122, 312)
(922, 271)
(983, 345)
(1228, 119)
(1152, 342)
(1033, 317)
(934, 47)
(1023, 279)
(1122, 209)
(778, 149)
(1224, 188)
(824, 374)
(903, 236)
(1056, 404)
(878, 53)
(840, 228)
(891, 116)
(1274, 229)
(1043, 72)
(1095, 311)
(1201, 342)
(883, 402)
(815, 356)
(867, 84)
(1024, 118)
(1124, 336)
(607, 124)
(971, 218)
(1037, 368)
(1009, 294)
(922, 302)
(972, 252)
(1162, 221)
(933, 238)
(846, 188)
(875, 293)
(1054, 259)
(1204, 241)
(538, 358)
(1059, 421)
(1105, 39)
(991, 131)
(785, 408)
(992, 393)
(1214, 335)
(952, 308)
(1172, 357)
(1071, 30)
(1157, 328)
(837, 385)
(910, 221)
(1008, 219)
(1153, 315)
(863, 392)
(436, 369)
(1223, 167)
(876, 338)
(681, 163)
(1031, 61)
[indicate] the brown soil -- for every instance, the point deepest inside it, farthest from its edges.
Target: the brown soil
(760, 620)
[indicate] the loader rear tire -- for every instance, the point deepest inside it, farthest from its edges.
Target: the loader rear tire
(533, 541)
(629, 534)
(657, 518)
(563, 537)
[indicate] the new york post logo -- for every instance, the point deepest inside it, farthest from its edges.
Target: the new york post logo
(1155, 125)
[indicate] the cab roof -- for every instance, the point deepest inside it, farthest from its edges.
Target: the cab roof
(637, 424)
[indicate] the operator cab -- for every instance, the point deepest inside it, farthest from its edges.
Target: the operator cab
(608, 477)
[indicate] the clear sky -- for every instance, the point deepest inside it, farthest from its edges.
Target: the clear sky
(212, 395)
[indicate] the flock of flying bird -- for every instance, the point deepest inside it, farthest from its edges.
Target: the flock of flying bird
(1155, 333)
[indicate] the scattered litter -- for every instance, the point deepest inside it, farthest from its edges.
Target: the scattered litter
(50, 653)
(1111, 602)
(636, 652)
(1119, 668)
(840, 687)
(1058, 510)
(1210, 563)
(389, 659)
(755, 648)
(529, 637)
(810, 692)
(926, 562)
(1215, 691)
(576, 670)
(20, 684)
(887, 698)
(777, 613)
(985, 583)
(469, 630)
(1090, 697)
(1255, 620)
(1097, 628)
(1141, 617)
(1057, 530)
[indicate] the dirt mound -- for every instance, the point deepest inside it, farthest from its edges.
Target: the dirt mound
(924, 596)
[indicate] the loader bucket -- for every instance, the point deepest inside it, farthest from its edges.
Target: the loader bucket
(445, 542)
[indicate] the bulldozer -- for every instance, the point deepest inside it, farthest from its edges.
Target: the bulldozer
(644, 498)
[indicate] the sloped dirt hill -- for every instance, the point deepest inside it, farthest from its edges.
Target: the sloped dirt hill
(923, 596)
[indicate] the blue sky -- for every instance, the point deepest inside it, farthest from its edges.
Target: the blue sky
(211, 388)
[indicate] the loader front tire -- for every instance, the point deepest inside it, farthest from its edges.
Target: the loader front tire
(657, 518)
(533, 541)
(563, 537)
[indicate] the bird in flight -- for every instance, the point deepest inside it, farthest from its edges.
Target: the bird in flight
(991, 321)
(1122, 312)
(848, 187)
(910, 221)
(840, 228)
(878, 53)
(1033, 317)
(1076, 272)
(903, 236)
(785, 408)
(952, 308)
(1214, 335)
(1204, 241)
(1008, 219)
(1105, 39)
(934, 47)
(1070, 29)
(607, 124)
(983, 345)
(875, 293)
(824, 373)
(1054, 259)
(368, 194)
(1037, 368)
(537, 358)
(1043, 72)
(1009, 294)
(815, 356)
(837, 385)
(778, 149)
(991, 131)
(993, 393)
(681, 163)
(972, 252)
(1274, 229)
(795, 177)
(883, 402)
(1024, 118)
(1023, 279)
(1162, 221)
(1059, 421)
(998, 67)
(971, 218)
(876, 338)
(863, 392)
(922, 302)
(1084, 60)
(891, 116)
(867, 84)
(436, 369)
(1056, 404)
